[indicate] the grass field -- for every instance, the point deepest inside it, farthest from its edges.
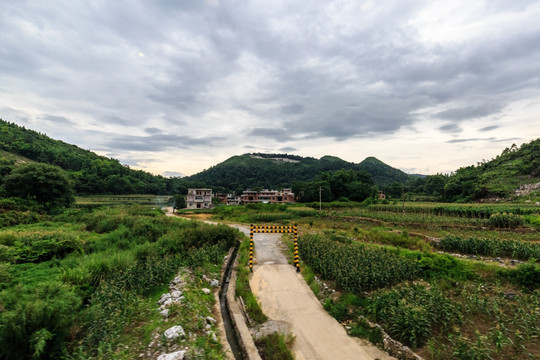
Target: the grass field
(113, 200)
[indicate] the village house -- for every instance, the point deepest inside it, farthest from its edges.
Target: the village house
(229, 199)
(268, 196)
(199, 199)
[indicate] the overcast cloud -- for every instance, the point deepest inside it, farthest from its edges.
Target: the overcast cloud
(175, 87)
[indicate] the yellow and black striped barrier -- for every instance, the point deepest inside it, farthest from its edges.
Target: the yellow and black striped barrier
(273, 229)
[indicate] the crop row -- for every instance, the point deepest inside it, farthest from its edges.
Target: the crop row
(490, 247)
(355, 267)
(478, 212)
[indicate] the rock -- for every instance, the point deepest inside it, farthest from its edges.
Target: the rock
(174, 332)
(214, 337)
(176, 294)
(206, 291)
(166, 304)
(178, 301)
(177, 355)
(210, 320)
(214, 283)
(164, 298)
(164, 313)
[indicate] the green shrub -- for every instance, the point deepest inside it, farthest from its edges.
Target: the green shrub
(40, 248)
(6, 254)
(526, 275)
(5, 274)
(275, 346)
(36, 321)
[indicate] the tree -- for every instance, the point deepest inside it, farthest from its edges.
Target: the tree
(46, 184)
(179, 201)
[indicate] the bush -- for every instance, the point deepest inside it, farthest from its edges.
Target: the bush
(528, 275)
(36, 322)
(275, 346)
(40, 248)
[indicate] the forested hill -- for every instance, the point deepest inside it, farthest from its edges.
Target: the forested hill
(497, 178)
(275, 171)
(92, 174)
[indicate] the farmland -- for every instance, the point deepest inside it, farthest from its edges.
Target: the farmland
(451, 281)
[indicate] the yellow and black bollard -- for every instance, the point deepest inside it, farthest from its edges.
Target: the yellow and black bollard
(272, 229)
(296, 259)
(251, 248)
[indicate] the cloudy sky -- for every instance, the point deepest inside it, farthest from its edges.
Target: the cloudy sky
(174, 87)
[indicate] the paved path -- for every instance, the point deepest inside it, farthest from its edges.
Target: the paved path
(285, 297)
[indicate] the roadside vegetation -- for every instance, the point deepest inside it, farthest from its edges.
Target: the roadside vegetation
(85, 283)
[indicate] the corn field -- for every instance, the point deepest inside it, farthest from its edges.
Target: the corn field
(355, 268)
(490, 247)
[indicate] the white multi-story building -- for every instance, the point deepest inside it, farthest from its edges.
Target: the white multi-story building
(199, 199)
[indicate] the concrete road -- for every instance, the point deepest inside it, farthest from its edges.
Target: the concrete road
(285, 297)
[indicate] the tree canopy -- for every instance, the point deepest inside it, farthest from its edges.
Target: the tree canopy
(46, 184)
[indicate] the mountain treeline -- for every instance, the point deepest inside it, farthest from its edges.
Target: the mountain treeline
(337, 185)
(277, 171)
(90, 173)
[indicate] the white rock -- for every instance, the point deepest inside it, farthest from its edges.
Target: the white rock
(177, 355)
(164, 313)
(166, 304)
(174, 332)
(206, 291)
(210, 320)
(214, 337)
(214, 283)
(164, 298)
(178, 301)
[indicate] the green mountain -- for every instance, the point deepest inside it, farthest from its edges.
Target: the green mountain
(274, 171)
(497, 178)
(92, 174)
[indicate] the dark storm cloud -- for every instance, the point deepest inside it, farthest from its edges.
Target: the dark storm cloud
(269, 132)
(160, 142)
(288, 149)
(290, 70)
(490, 139)
(450, 128)
(460, 114)
(292, 109)
(58, 120)
(488, 128)
(152, 131)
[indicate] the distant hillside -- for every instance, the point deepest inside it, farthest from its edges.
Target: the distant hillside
(498, 178)
(281, 170)
(503, 175)
(92, 174)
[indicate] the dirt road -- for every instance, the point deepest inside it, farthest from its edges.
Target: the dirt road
(285, 297)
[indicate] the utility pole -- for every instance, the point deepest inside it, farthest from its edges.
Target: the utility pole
(403, 196)
(320, 198)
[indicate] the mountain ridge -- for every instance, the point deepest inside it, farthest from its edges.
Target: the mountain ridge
(252, 170)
